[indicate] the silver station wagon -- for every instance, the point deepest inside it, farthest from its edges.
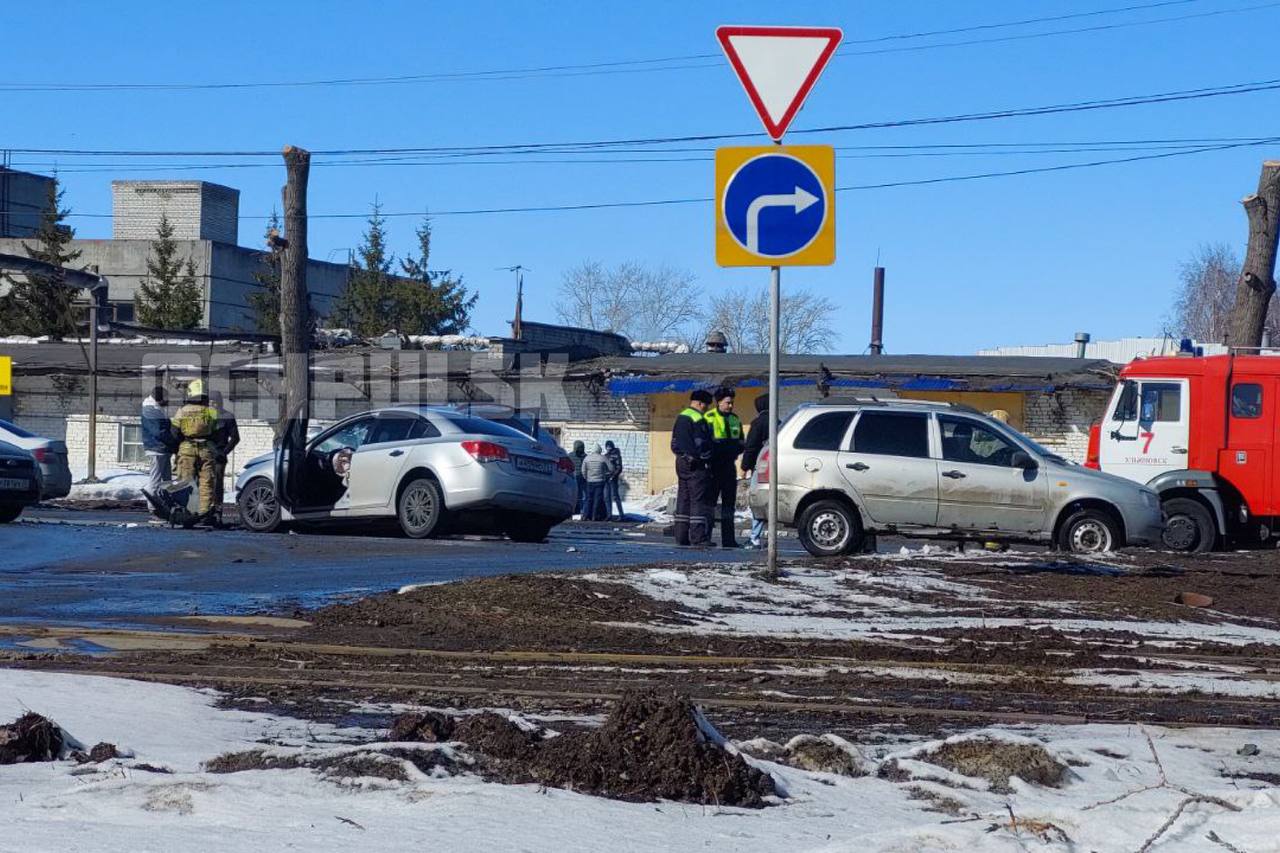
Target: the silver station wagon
(856, 467)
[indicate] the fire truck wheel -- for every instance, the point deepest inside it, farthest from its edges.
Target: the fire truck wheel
(1188, 526)
(1089, 531)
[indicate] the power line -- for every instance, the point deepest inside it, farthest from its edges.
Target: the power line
(706, 199)
(649, 65)
(1173, 96)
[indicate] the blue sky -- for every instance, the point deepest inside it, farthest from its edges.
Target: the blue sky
(1026, 259)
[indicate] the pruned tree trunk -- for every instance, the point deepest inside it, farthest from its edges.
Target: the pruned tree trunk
(1257, 278)
(295, 336)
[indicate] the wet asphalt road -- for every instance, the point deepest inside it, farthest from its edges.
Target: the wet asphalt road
(110, 568)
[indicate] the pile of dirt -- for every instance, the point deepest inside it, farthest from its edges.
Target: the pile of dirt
(817, 754)
(375, 763)
(31, 737)
(998, 761)
(512, 611)
(101, 752)
(652, 746)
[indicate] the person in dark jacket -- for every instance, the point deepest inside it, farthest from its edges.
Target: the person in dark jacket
(226, 435)
(756, 439)
(726, 447)
(157, 439)
(613, 487)
(691, 444)
(580, 453)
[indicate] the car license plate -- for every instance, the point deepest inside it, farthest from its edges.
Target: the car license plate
(538, 466)
(14, 483)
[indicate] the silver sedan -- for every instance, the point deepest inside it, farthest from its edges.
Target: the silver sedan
(50, 455)
(422, 466)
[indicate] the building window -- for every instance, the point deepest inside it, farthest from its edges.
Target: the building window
(1246, 400)
(131, 444)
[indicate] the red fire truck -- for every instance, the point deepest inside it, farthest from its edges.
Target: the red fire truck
(1201, 431)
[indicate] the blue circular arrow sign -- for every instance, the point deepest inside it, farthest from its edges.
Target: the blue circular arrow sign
(774, 205)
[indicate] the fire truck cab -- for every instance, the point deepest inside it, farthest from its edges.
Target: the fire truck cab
(1201, 431)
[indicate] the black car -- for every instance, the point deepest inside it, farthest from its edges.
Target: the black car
(19, 481)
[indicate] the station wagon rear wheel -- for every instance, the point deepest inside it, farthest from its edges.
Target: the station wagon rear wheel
(830, 529)
(1089, 531)
(419, 508)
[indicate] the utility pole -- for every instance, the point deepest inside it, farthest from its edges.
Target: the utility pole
(295, 336)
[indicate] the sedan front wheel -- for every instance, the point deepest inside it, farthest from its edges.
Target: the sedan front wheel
(259, 509)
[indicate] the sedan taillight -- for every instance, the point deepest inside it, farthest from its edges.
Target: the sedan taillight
(565, 464)
(485, 451)
(41, 454)
(762, 467)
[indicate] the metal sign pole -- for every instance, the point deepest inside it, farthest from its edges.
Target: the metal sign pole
(775, 347)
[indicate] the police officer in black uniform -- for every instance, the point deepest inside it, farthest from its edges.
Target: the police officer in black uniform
(691, 444)
(726, 446)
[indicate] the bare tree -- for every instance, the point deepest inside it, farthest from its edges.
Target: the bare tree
(743, 315)
(1207, 290)
(642, 303)
(1202, 309)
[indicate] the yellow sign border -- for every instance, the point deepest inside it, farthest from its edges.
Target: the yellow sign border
(822, 251)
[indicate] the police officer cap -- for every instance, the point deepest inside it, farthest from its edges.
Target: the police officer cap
(701, 396)
(724, 394)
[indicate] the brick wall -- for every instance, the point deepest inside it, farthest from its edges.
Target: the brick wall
(197, 210)
(1061, 421)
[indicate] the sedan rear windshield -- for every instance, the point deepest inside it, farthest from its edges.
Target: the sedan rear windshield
(480, 426)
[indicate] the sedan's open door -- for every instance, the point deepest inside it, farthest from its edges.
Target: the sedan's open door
(290, 464)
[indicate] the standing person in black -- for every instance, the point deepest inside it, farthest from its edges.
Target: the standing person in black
(726, 447)
(756, 439)
(691, 444)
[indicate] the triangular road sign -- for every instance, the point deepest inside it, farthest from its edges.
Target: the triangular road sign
(778, 66)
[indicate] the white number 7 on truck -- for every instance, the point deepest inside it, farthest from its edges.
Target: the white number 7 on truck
(1201, 432)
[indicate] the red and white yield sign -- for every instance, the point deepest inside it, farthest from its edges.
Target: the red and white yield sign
(778, 66)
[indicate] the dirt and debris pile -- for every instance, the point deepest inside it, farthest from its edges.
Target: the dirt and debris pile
(817, 754)
(998, 761)
(652, 746)
(101, 752)
(513, 611)
(31, 737)
(430, 727)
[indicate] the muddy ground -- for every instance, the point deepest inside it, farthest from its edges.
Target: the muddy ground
(871, 648)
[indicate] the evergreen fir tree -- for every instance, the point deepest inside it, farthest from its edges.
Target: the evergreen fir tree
(266, 300)
(365, 306)
(41, 303)
(430, 302)
(169, 296)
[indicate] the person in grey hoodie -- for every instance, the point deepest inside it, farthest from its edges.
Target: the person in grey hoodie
(596, 469)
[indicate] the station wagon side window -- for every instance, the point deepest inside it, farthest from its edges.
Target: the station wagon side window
(892, 434)
(824, 432)
(969, 441)
(1246, 400)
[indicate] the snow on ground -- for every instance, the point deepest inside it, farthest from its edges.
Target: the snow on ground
(1179, 683)
(817, 603)
(118, 484)
(115, 806)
